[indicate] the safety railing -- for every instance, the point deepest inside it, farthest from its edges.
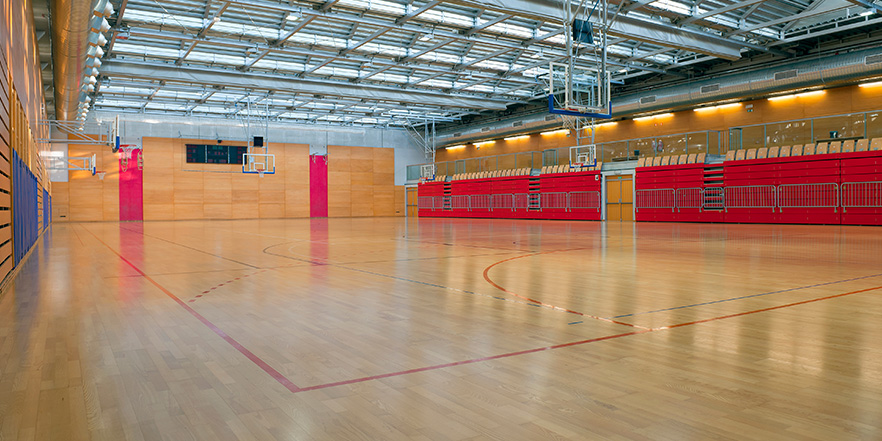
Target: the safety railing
(480, 202)
(460, 202)
(584, 200)
(553, 200)
(750, 196)
(426, 203)
(689, 198)
(575, 200)
(808, 196)
(822, 195)
(502, 202)
(861, 195)
(656, 198)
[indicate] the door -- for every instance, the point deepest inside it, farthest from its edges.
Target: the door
(411, 198)
(619, 198)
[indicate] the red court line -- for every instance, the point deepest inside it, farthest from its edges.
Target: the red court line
(574, 343)
(582, 314)
(294, 388)
(771, 308)
(284, 381)
(464, 362)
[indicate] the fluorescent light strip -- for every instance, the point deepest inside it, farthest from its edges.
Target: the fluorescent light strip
(482, 143)
(555, 132)
(660, 115)
(721, 106)
(873, 84)
(798, 95)
(454, 147)
(515, 138)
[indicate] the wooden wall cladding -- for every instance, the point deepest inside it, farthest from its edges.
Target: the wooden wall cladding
(6, 261)
(176, 190)
(361, 181)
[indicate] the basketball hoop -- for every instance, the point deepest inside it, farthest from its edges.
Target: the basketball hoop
(101, 175)
(259, 168)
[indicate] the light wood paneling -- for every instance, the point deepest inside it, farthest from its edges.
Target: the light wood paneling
(361, 182)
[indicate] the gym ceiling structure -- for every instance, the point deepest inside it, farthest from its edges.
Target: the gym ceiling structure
(440, 220)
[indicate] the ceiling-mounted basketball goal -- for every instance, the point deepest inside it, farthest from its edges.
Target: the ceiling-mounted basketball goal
(579, 85)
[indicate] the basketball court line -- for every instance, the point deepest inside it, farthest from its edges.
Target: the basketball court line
(288, 384)
(547, 305)
(748, 296)
(189, 248)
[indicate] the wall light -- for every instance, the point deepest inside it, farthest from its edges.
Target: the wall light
(873, 84)
(607, 124)
(455, 147)
(721, 106)
(515, 138)
(555, 132)
(483, 143)
(660, 115)
(798, 95)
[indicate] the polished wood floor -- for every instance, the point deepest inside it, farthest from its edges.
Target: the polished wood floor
(444, 329)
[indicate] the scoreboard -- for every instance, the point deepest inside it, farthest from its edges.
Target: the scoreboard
(215, 154)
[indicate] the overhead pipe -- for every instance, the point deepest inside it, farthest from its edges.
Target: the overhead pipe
(70, 33)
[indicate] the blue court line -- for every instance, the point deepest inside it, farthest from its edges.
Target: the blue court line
(748, 296)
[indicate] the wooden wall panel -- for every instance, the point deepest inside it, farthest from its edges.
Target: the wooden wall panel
(361, 183)
(400, 209)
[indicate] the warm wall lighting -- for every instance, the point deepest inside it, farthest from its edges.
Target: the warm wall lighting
(483, 143)
(607, 124)
(515, 138)
(555, 132)
(721, 106)
(454, 147)
(660, 115)
(873, 84)
(798, 95)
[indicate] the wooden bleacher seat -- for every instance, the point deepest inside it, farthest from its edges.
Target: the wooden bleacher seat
(691, 158)
(750, 154)
(808, 149)
(598, 166)
(700, 158)
(822, 148)
(876, 144)
(835, 147)
(762, 153)
(730, 155)
(656, 161)
(847, 146)
(773, 152)
(641, 162)
(666, 160)
(862, 145)
(796, 150)
(740, 154)
(682, 159)
(784, 152)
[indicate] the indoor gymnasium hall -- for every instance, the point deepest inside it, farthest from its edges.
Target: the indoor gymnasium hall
(424, 220)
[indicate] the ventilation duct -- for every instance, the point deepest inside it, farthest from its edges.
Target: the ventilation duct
(786, 75)
(517, 124)
(70, 32)
(710, 88)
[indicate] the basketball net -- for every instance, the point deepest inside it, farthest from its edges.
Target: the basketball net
(260, 170)
(101, 175)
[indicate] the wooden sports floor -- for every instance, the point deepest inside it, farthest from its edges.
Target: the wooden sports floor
(444, 329)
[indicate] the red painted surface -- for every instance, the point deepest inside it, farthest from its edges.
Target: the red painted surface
(131, 188)
(318, 186)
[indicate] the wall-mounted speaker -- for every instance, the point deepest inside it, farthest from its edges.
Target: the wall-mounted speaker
(258, 141)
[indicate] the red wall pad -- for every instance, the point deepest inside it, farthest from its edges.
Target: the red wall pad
(318, 186)
(131, 187)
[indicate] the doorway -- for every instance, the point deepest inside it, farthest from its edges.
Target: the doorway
(620, 198)
(411, 204)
